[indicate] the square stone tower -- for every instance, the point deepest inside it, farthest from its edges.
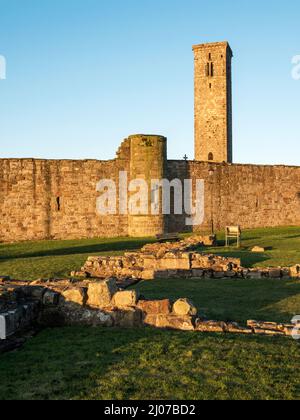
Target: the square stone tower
(213, 102)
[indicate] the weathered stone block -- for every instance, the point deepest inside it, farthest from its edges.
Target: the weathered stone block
(210, 326)
(184, 307)
(76, 296)
(258, 250)
(50, 298)
(208, 274)
(180, 263)
(86, 317)
(254, 275)
(262, 331)
(295, 271)
(234, 328)
(172, 321)
(100, 294)
(270, 326)
(148, 275)
(165, 274)
(218, 274)
(155, 306)
(289, 331)
(51, 317)
(150, 263)
(275, 273)
(230, 274)
(184, 274)
(32, 292)
(125, 299)
(37, 293)
(7, 325)
(285, 273)
(129, 318)
(197, 273)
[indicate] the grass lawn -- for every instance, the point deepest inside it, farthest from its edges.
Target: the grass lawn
(32, 260)
(282, 247)
(87, 363)
(56, 259)
(232, 300)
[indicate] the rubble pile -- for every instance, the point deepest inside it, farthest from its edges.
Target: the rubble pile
(177, 260)
(191, 243)
(177, 264)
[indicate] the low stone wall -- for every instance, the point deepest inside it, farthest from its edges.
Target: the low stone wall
(148, 267)
(102, 303)
(18, 309)
(177, 260)
(176, 264)
(191, 243)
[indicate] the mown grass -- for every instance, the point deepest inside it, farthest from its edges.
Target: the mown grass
(56, 259)
(87, 363)
(32, 260)
(282, 247)
(232, 300)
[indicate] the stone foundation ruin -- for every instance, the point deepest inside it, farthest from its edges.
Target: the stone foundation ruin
(102, 303)
(100, 295)
(177, 260)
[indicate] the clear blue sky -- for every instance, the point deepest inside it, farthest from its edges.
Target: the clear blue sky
(84, 74)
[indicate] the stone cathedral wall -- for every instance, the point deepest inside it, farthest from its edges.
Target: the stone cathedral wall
(252, 196)
(56, 199)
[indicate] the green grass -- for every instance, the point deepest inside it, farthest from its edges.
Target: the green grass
(282, 247)
(232, 300)
(87, 363)
(56, 259)
(32, 260)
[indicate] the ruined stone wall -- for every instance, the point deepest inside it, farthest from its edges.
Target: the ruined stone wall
(148, 161)
(247, 195)
(56, 199)
(47, 199)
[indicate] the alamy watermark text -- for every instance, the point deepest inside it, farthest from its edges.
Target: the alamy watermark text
(296, 67)
(153, 197)
(2, 67)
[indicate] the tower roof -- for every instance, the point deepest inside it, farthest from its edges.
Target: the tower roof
(213, 45)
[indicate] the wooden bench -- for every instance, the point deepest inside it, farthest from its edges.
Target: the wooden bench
(233, 232)
(168, 237)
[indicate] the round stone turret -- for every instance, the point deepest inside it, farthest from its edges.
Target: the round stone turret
(148, 159)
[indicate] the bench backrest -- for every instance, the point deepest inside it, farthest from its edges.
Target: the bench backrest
(233, 230)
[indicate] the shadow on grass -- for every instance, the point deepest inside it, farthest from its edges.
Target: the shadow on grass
(135, 364)
(125, 245)
(231, 300)
(221, 242)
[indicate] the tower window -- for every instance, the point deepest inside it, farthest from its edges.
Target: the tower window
(209, 56)
(207, 70)
(58, 203)
(210, 156)
(210, 69)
